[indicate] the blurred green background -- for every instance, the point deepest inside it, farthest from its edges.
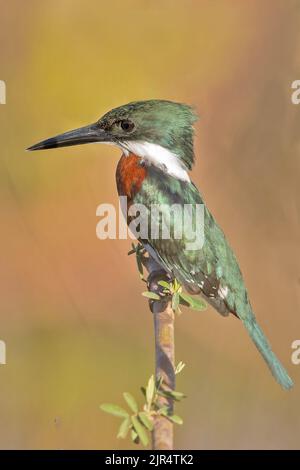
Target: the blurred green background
(77, 330)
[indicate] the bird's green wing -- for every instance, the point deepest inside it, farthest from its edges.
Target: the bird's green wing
(210, 270)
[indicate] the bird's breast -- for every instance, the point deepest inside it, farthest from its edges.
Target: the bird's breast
(130, 175)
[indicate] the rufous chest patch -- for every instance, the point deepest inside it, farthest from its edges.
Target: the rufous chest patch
(130, 175)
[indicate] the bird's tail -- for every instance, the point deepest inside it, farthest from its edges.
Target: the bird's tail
(261, 342)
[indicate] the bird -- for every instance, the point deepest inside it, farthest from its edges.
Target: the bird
(156, 138)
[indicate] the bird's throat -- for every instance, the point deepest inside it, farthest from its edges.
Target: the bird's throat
(130, 175)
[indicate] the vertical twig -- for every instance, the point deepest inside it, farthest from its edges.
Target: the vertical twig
(162, 436)
(163, 315)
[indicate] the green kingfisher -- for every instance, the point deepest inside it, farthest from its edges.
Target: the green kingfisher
(157, 142)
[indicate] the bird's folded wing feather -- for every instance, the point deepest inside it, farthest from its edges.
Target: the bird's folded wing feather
(211, 270)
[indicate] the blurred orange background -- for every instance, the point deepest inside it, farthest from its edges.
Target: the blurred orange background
(77, 330)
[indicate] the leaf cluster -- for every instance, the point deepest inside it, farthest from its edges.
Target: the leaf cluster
(139, 422)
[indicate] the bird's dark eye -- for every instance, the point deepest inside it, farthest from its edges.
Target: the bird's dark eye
(127, 125)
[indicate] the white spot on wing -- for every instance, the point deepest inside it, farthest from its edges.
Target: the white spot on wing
(223, 292)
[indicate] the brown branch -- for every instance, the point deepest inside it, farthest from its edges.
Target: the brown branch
(162, 436)
(163, 315)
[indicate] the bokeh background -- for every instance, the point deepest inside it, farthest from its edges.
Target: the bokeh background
(77, 329)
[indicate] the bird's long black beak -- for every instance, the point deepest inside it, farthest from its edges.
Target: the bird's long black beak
(83, 135)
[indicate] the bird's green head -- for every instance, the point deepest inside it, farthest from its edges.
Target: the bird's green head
(166, 124)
